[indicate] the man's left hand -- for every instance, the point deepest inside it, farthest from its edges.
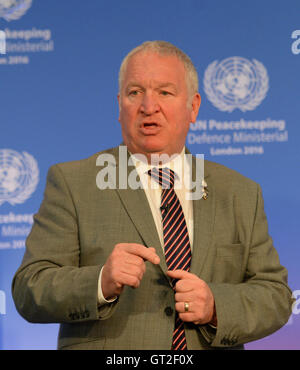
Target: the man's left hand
(196, 293)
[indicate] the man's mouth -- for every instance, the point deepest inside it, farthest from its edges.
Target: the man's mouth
(150, 128)
(150, 124)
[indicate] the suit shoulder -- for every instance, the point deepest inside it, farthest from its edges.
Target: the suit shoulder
(228, 177)
(82, 165)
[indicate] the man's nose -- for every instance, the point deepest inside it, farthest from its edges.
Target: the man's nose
(149, 104)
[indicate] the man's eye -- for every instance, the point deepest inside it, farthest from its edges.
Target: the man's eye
(133, 92)
(165, 93)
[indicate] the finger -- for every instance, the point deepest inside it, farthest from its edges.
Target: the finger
(148, 254)
(180, 307)
(184, 297)
(152, 256)
(134, 270)
(181, 274)
(185, 285)
(152, 249)
(189, 317)
(134, 260)
(129, 280)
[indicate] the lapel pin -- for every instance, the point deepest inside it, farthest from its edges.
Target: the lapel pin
(204, 190)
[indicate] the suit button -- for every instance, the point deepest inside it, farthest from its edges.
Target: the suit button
(169, 311)
(234, 341)
(225, 341)
(85, 314)
(76, 316)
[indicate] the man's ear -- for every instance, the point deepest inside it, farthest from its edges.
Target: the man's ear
(196, 102)
(119, 98)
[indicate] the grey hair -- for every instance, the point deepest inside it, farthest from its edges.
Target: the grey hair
(164, 48)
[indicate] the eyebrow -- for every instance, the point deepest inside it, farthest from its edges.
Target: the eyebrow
(132, 84)
(167, 84)
(159, 86)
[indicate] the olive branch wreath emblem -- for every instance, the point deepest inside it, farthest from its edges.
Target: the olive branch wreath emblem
(32, 179)
(14, 12)
(261, 89)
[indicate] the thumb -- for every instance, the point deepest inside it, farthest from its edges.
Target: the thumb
(157, 259)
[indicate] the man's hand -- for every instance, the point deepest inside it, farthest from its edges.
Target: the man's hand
(197, 294)
(125, 266)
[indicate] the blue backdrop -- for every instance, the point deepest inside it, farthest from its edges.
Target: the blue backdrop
(58, 88)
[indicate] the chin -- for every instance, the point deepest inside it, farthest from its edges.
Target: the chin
(154, 145)
(151, 149)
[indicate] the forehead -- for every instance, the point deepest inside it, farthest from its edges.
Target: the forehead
(150, 66)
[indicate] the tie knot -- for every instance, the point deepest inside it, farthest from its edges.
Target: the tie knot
(164, 176)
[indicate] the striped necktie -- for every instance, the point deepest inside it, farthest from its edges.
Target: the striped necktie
(176, 239)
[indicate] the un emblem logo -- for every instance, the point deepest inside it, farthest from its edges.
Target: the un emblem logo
(236, 83)
(14, 9)
(19, 176)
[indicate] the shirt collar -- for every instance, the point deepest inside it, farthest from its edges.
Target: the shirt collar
(178, 164)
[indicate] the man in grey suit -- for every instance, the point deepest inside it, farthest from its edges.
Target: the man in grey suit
(95, 258)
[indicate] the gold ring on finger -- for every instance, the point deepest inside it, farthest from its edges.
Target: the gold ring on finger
(186, 307)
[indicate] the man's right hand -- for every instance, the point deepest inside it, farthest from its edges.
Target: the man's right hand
(125, 266)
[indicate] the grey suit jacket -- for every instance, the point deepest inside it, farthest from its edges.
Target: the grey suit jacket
(78, 226)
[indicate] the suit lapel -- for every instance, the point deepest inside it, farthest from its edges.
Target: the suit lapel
(136, 204)
(204, 218)
(138, 209)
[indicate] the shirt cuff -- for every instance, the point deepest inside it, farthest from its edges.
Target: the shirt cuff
(101, 300)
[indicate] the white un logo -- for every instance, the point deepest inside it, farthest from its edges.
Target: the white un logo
(236, 83)
(19, 176)
(14, 9)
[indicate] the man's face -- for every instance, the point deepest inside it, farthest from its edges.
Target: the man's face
(153, 101)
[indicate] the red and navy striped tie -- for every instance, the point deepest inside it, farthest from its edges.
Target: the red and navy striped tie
(176, 239)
